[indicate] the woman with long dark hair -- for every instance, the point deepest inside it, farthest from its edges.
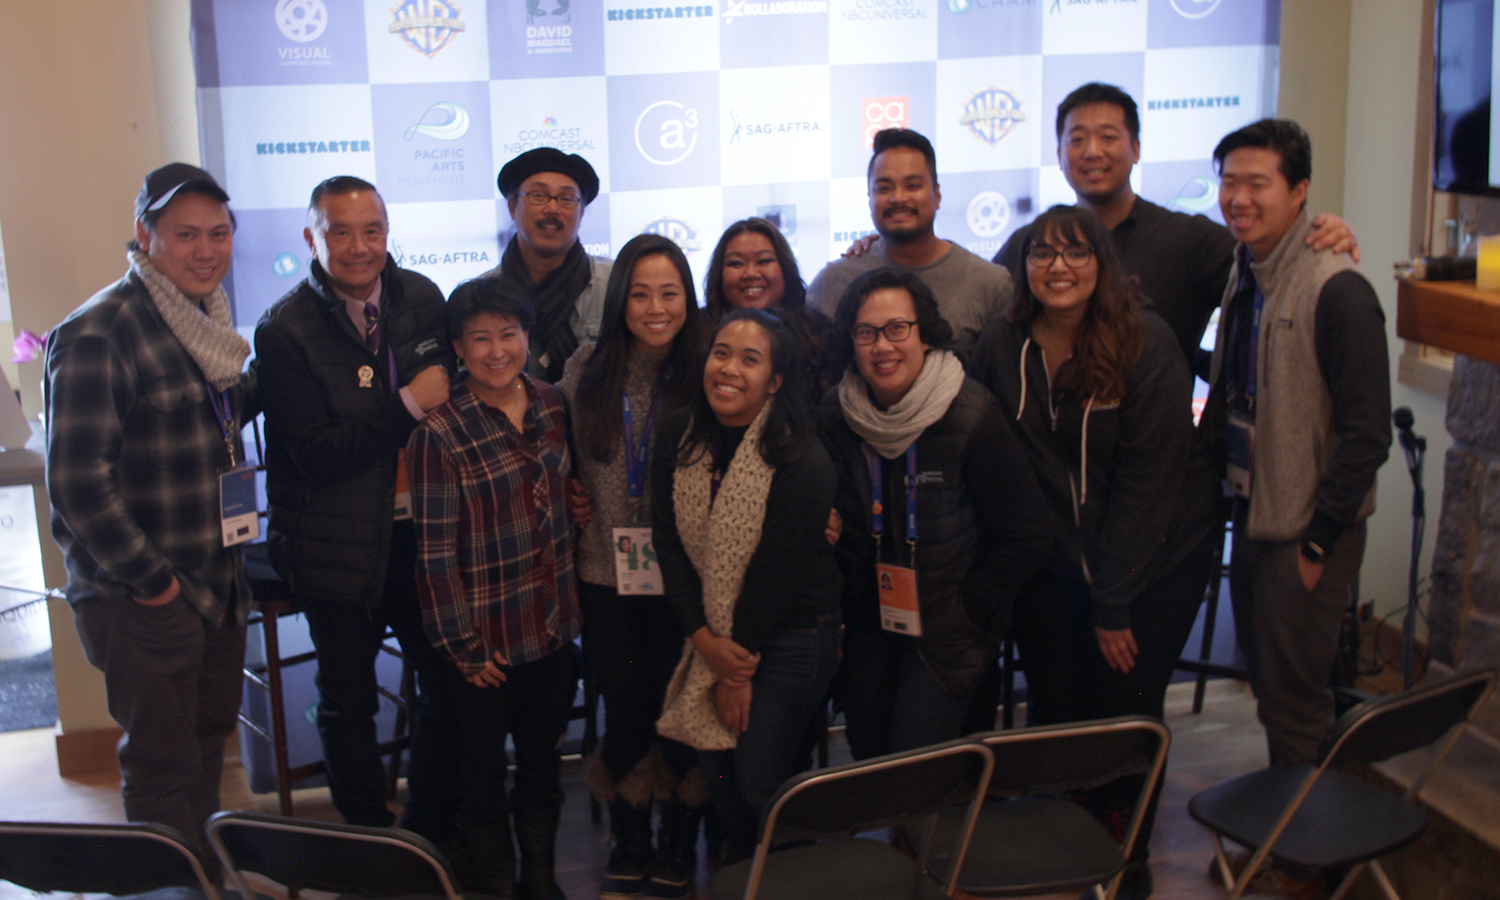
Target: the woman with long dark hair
(753, 267)
(644, 366)
(1100, 396)
(741, 488)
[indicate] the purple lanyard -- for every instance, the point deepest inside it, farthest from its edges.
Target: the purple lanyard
(877, 494)
(225, 415)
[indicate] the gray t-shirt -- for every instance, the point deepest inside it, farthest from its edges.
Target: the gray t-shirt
(970, 290)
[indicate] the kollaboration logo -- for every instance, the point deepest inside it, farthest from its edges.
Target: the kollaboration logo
(298, 147)
(444, 121)
(551, 134)
(666, 132)
(438, 257)
(876, 10)
(880, 113)
(302, 21)
(738, 8)
(988, 214)
(287, 265)
(1199, 195)
(992, 114)
(677, 231)
(1195, 9)
(763, 129)
(642, 13)
(427, 25)
(1192, 103)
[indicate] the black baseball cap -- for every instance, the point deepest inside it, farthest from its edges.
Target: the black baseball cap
(163, 184)
(549, 159)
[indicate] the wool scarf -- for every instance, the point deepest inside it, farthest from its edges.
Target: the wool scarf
(554, 296)
(720, 535)
(891, 431)
(206, 333)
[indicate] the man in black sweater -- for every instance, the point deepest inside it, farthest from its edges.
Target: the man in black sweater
(350, 360)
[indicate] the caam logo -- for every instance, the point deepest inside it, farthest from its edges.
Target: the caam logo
(1195, 9)
(879, 113)
(740, 131)
(991, 114)
(427, 26)
(302, 21)
(675, 230)
(666, 132)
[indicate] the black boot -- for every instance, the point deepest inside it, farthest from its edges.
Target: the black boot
(484, 860)
(676, 852)
(536, 836)
(631, 857)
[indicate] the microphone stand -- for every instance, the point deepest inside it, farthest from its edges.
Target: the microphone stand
(1416, 448)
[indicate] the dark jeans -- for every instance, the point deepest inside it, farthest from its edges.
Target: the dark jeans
(348, 639)
(1290, 635)
(173, 683)
(633, 644)
(789, 688)
(532, 708)
(1067, 679)
(891, 700)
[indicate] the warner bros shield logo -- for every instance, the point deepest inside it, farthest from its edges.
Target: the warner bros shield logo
(427, 25)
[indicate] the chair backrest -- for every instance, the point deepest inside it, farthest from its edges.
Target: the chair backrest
(342, 859)
(99, 859)
(1387, 726)
(1055, 759)
(879, 792)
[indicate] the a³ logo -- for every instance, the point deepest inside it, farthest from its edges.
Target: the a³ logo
(666, 132)
(301, 20)
(1195, 9)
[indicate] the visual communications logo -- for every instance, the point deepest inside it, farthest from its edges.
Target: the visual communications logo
(1199, 195)
(301, 20)
(988, 214)
(642, 13)
(764, 129)
(1195, 9)
(443, 121)
(991, 114)
(746, 8)
(427, 26)
(884, 10)
(1192, 103)
(298, 147)
(880, 113)
(287, 265)
(551, 134)
(675, 230)
(782, 215)
(436, 257)
(666, 132)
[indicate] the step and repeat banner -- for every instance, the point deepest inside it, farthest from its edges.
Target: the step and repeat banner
(695, 115)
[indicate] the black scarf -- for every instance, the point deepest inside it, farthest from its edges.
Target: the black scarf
(554, 296)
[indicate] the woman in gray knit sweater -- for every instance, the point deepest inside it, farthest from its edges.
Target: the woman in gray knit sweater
(644, 366)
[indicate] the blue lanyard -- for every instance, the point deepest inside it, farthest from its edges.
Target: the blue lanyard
(225, 415)
(1252, 366)
(390, 356)
(635, 456)
(877, 494)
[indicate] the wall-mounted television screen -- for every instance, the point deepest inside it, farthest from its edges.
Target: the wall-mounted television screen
(1466, 156)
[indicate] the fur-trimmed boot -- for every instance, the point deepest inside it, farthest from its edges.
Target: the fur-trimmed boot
(631, 858)
(676, 866)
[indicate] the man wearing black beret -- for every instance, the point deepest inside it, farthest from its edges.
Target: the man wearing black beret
(546, 191)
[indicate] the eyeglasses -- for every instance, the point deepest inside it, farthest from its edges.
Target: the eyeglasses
(895, 331)
(539, 199)
(1075, 255)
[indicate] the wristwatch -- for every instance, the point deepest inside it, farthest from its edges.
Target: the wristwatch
(1312, 552)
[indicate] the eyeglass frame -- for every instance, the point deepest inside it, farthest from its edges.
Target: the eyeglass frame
(875, 331)
(1088, 251)
(565, 201)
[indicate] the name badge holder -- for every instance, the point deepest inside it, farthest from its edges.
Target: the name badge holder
(239, 514)
(636, 570)
(896, 585)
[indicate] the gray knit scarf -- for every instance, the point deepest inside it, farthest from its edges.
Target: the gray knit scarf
(210, 339)
(892, 430)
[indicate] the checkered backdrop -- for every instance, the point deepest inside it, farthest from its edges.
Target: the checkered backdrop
(695, 115)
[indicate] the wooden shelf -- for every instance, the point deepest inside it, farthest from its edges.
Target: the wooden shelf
(1451, 315)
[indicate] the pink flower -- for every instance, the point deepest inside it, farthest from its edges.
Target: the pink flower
(27, 346)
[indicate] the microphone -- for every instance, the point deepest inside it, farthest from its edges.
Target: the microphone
(1411, 444)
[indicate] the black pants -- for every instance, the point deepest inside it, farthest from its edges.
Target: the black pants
(348, 639)
(891, 700)
(633, 643)
(173, 683)
(1067, 679)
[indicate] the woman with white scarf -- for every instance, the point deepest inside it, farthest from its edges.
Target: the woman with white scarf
(741, 488)
(943, 519)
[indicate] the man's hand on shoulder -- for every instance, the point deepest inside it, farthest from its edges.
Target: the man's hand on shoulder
(1332, 233)
(861, 246)
(430, 388)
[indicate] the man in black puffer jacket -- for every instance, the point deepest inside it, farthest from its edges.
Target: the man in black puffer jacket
(350, 361)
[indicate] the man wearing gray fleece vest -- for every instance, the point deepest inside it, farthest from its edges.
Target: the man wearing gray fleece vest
(1301, 389)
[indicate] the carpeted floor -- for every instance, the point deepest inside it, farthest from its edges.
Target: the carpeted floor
(28, 695)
